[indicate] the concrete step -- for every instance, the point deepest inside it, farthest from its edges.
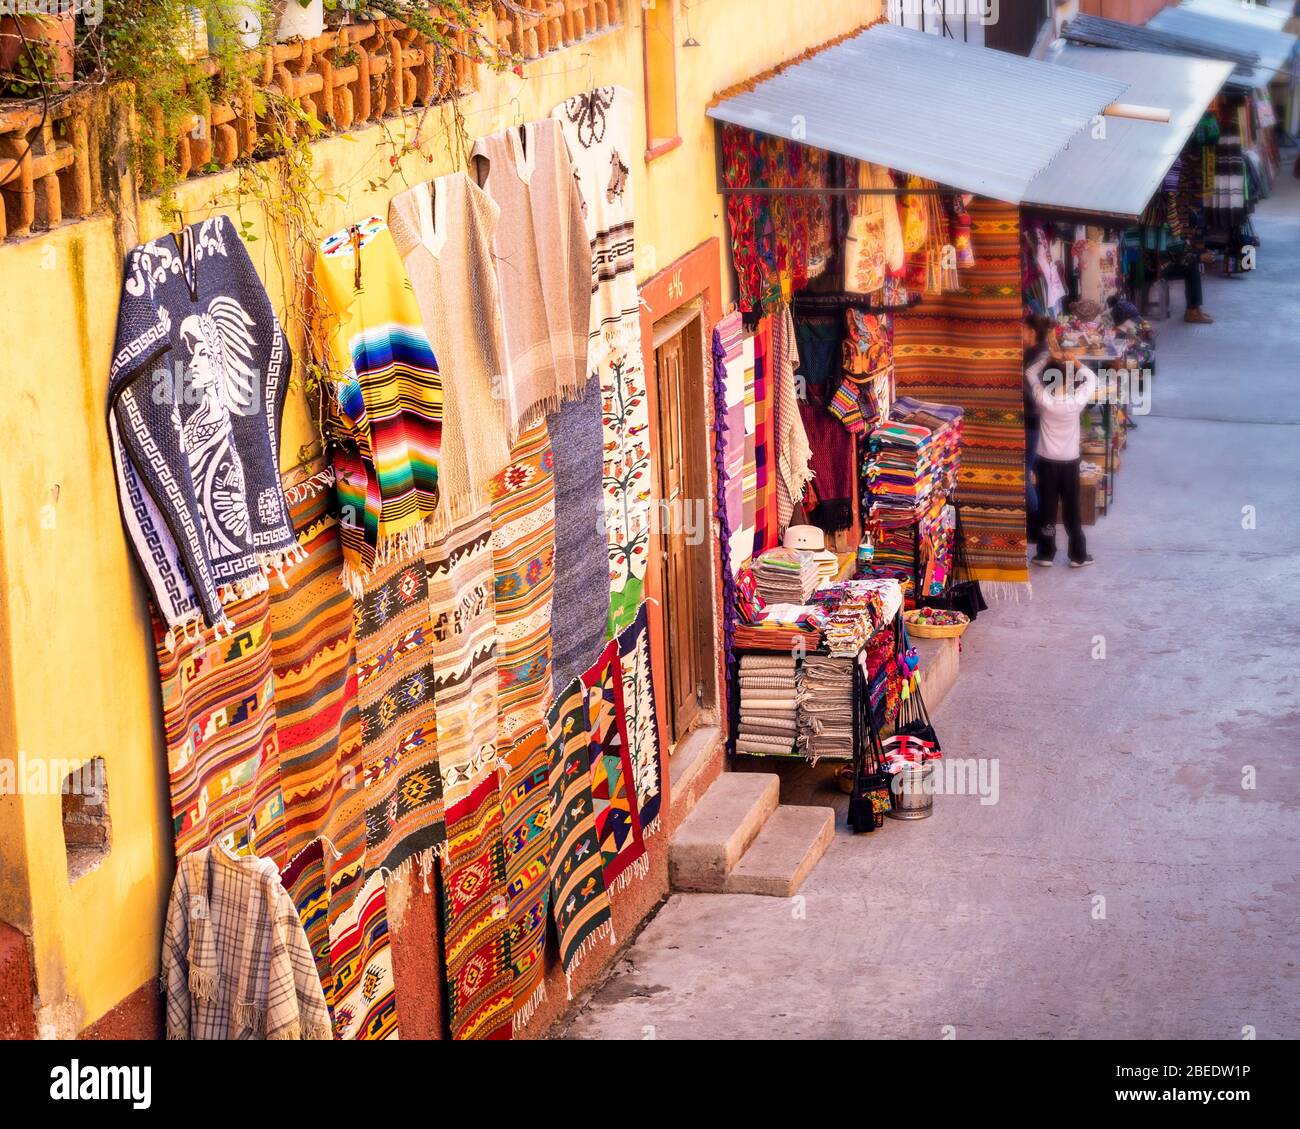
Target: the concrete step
(940, 665)
(787, 848)
(712, 839)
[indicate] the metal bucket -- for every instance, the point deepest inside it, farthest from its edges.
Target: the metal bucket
(911, 792)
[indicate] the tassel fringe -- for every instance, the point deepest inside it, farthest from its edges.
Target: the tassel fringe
(525, 1012)
(580, 953)
(637, 870)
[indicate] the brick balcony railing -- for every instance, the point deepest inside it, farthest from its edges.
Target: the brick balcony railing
(352, 75)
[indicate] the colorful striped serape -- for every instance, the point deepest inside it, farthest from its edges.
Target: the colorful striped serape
(364, 996)
(963, 348)
(579, 898)
(642, 721)
(766, 471)
(525, 834)
(523, 558)
(738, 366)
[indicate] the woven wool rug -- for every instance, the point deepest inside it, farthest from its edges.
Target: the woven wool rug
(579, 899)
(479, 984)
(525, 816)
(313, 652)
(365, 995)
(580, 599)
(403, 786)
(308, 887)
(523, 562)
(219, 725)
(464, 652)
(613, 786)
(963, 348)
(739, 453)
(766, 471)
(642, 723)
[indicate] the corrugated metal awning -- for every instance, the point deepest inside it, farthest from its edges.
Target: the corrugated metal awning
(1273, 47)
(1094, 31)
(964, 116)
(1118, 173)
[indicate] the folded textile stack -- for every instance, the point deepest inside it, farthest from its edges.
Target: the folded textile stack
(945, 424)
(825, 688)
(913, 459)
(786, 576)
(856, 610)
(768, 706)
(828, 566)
(776, 638)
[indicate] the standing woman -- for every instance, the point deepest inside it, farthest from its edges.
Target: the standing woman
(1033, 340)
(1061, 389)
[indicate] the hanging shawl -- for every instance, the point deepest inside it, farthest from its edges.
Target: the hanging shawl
(543, 259)
(793, 455)
(194, 397)
(386, 410)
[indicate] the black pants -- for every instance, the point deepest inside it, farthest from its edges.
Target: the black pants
(1190, 273)
(1058, 483)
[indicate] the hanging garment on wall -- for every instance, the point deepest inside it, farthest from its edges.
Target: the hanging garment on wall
(738, 362)
(757, 286)
(543, 258)
(964, 349)
(721, 431)
(463, 656)
(235, 960)
(873, 244)
(833, 464)
(318, 723)
(642, 722)
(305, 879)
(365, 993)
(579, 897)
(444, 232)
(480, 995)
(219, 725)
(386, 409)
(766, 473)
(613, 785)
(525, 835)
(399, 744)
(580, 600)
(195, 390)
(598, 128)
(793, 455)
(523, 562)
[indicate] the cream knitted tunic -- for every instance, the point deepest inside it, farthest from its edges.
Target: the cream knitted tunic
(543, 263)
(444, 232)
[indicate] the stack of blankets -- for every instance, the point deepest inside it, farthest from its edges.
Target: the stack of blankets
(786, 576)
(913, 460)
(768, 706)
(825, 687)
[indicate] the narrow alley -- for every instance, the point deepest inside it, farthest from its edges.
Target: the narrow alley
(1132, 880)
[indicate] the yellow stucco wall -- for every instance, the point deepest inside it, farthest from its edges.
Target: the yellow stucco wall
(77, 677)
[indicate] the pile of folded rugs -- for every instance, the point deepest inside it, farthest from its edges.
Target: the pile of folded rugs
(825, 687)
(768, 706)
(786, 576)
(913, 460)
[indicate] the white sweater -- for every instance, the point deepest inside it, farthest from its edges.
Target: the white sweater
(1060, 401)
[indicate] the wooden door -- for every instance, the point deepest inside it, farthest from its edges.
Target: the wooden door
(680, 611)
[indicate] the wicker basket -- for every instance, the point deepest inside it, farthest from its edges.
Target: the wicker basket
(921, 630)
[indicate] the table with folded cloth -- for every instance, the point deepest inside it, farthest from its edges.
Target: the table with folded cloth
(768, 706)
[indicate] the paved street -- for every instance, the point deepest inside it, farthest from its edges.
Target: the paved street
(1120, 777)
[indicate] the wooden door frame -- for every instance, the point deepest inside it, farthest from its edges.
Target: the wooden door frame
(697, 275)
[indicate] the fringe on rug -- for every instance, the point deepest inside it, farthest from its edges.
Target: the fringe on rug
(651, 827)
(1009, 590)
(525, 1012)
(407, 545)
(580, 953)
(309, 487)
(637, 870)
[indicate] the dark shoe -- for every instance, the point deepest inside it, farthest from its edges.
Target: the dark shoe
(1041, 562)
(1081, 564)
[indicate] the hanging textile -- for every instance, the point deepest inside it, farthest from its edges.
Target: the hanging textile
(738, 364)
(722, 425)
(873, 243)
(833, 464)
(642, 723)
(364, 995)
(597, 125)
(318, 724)
(219, 726)
(523, 562)
(525, 835)
(399, 747)
(792, 451)
(964, 349)
(479, 983)
(613, 785)
(308, 887)
(580, 597)
(444, 231)
(543, 258)
(386, 409)
(235, 960)
(463, 655)
(579, 898)
(195, 392)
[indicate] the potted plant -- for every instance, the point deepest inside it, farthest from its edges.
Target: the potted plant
(37, 49)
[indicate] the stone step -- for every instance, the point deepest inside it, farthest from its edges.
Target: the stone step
(712, 839)
(787, 848)
(940, 665)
